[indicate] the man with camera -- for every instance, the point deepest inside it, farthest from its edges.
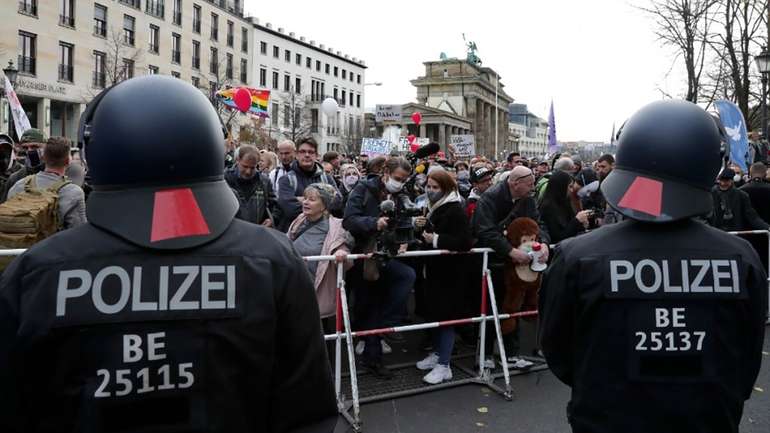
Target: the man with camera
(382, 285)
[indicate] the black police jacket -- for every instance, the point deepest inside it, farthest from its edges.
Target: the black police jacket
(100, 335)
(759, 195)
(494, 212)
(656, 327)
(733, 211)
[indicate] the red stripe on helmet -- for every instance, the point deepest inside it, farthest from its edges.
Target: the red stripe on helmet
(176, 214)
(644, 195)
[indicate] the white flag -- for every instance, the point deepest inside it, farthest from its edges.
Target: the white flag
(20, 119)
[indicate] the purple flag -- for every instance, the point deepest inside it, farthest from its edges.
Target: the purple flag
(553, 145)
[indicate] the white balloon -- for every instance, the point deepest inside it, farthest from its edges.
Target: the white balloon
(329, 106)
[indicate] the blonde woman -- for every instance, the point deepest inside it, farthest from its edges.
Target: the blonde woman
(267, 162)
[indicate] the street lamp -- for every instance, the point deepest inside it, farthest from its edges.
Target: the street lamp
(11, 73)
(763, 64)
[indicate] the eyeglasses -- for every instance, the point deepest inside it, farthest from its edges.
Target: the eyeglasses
(306, 152)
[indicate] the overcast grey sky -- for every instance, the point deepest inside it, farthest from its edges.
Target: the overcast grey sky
(597, 59)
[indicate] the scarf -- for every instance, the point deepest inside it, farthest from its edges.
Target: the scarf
(452, 197)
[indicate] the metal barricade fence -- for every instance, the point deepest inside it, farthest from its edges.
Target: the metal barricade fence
(484, 377)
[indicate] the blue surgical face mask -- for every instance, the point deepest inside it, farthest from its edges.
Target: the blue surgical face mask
(434, 196)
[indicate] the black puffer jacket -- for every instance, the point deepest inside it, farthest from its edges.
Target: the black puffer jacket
(733, 211)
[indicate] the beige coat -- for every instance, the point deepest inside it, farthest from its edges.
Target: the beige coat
(326, 276)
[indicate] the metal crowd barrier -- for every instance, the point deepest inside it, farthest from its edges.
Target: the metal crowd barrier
(484, 376)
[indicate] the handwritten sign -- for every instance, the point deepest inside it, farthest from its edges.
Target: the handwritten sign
(387, 113)
(403, 143)
(464, 145)
(375, 146)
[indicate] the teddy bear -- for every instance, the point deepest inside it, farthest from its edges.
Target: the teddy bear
(521, 282)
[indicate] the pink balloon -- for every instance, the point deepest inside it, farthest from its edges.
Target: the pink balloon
(242, 99)
(410, 138)
(416, 117)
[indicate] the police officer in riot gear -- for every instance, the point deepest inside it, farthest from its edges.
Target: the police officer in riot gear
(163, 313)
(657, 322)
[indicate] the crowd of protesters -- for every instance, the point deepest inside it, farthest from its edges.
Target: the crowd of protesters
(332, 204)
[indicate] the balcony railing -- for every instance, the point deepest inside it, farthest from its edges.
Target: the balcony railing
(176, 55)
(99, 80)
(67, 20)
(65, 73)
(27, 65)
(155, 8)
(28, 7)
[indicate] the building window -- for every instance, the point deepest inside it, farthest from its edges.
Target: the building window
(100, 63)
(244, 71)
(100, 20)
(27, 53)
(262, 77)
(286, 83)
(197, 19)
(133, 3)
(129, 29)
(286, 115)
(196, 81)
(28, 7)
(358, 101)
(336, 71)
(67, 13)
(358, 78)
(342, 100)
(196, 55)
(298, 59)
(351, 99)
(275, 80)
(65, 62)
(229, 67)
(326, 68)
(155, 8)
(344, 74)
(244, 39)
(274, 114)
(154, 39)
(287, 56)
(308, 62)
(318, 65)
(263, 48)
(276, 51)
(313, 120)
(335, 94)
(214, 27)
(212, 89)
(176, 48)
(230, 34)
(177, 13)
(128, 68)
(351, 76)
(152, 70)
(297, 85)
(214, 64)
(176, 74)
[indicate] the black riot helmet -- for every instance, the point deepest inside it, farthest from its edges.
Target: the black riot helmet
(155, 151)
(668, 157)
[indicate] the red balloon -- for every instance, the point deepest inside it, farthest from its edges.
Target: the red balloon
(242, 99)
(410, 138)
(416, 117)
(413, 147)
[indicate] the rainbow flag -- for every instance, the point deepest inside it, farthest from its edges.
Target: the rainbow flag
(259, 100)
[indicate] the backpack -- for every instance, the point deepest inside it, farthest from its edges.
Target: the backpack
(31, 215)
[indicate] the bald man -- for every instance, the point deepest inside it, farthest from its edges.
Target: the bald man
(497, 207)
(286, 154)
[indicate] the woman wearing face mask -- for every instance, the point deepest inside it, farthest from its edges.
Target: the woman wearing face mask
(314, 232)
(463, 178)
(445, 227)
(350, 177)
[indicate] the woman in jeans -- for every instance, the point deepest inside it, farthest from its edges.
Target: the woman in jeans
(446, 227)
